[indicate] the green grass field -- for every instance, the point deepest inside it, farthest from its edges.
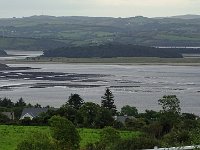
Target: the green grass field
(10, 135)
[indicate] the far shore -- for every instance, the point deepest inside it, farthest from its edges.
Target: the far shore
(108, 61)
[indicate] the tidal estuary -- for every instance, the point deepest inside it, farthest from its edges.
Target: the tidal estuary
(137, 85)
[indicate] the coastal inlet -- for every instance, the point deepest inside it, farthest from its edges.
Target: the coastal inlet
(136, 85)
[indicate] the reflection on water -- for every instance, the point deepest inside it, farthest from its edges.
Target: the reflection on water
(139, 85)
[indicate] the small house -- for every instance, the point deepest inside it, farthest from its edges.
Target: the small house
(32, 112)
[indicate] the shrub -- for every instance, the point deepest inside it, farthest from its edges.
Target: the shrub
(64, 133)
(136, 143)
(176, 138)
(109, 135)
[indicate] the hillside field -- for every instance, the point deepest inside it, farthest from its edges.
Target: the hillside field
(11, 135)
(50, 32)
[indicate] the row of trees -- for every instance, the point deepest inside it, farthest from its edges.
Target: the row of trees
(82, 114)
(73, 109)
(75, 101)
(167, 127)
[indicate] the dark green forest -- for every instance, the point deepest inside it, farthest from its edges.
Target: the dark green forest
(112, 50)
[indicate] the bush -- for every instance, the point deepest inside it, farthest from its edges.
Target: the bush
(195, 136)
(176, 138)
(136, 143)
(154, 129)
(64, 133)
(109, 135)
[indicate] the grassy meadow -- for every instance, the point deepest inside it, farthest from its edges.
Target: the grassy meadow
(11, 135)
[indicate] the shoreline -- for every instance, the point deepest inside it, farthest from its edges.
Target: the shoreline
(101, 63)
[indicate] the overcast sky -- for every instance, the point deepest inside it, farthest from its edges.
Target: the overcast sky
(114, 8)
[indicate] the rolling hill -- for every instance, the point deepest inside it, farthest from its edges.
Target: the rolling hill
(189, 16)
(49, 32)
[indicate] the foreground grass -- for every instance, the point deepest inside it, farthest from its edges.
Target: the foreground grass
(10, 135)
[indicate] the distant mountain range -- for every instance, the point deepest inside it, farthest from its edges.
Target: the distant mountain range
(49, 32)
(189, 16)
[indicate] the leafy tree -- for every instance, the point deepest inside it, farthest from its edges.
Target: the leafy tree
(37, 141)
(170, 115)
(170, 103)
(189, 116)
(17, 112)
(108, 101)
(129, 111)
(104, 118)
(188, 124)
(150, 115)
(89, 112)
(75, 101)
(69, 113)
(65, 133)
